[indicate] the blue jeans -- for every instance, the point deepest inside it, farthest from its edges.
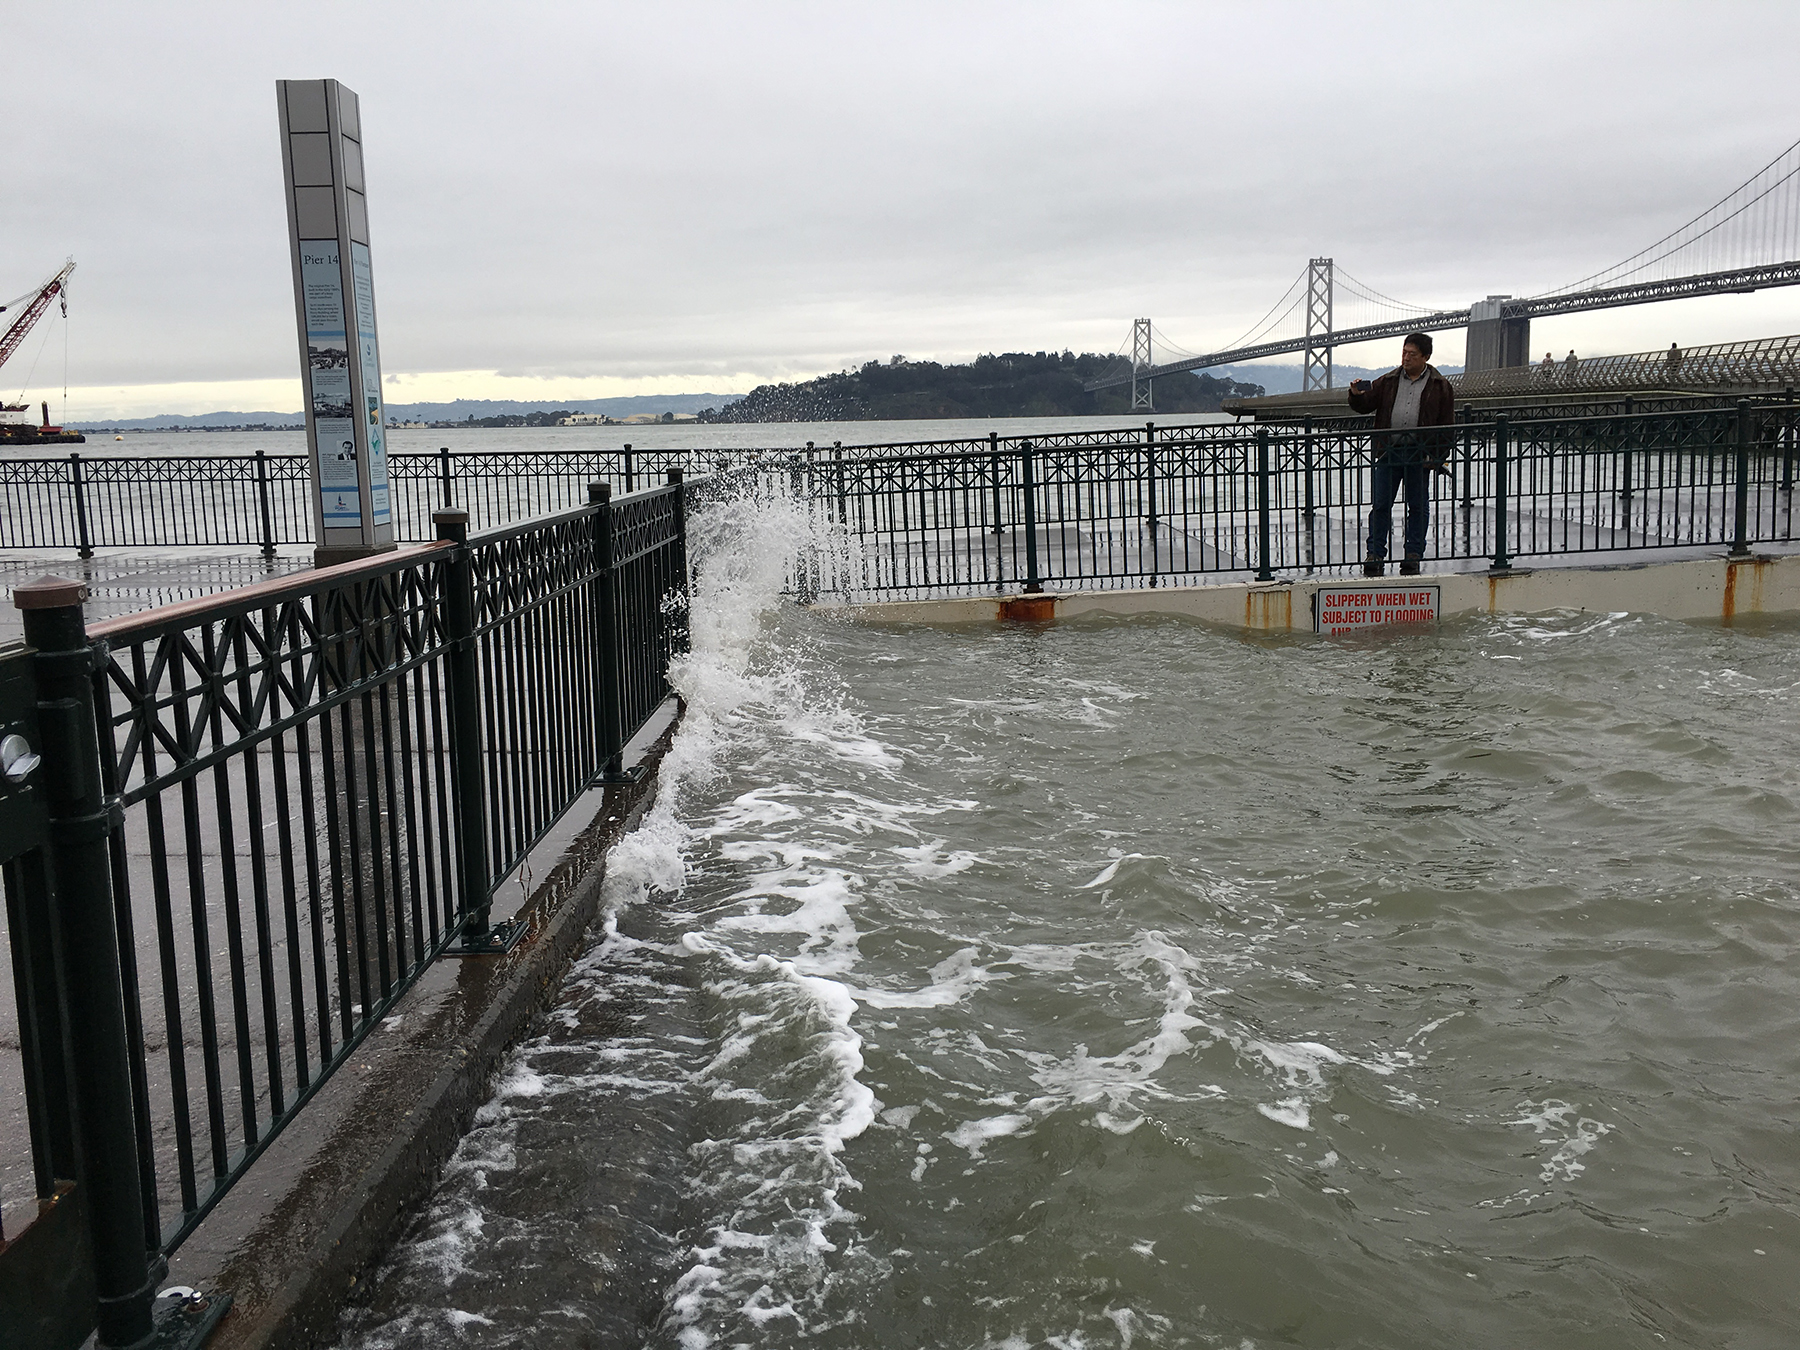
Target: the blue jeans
(1403, 465)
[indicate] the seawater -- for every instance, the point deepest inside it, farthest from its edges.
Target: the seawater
(652, 437)
(1139, 984)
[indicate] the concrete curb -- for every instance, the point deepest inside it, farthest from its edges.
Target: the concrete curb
(1717, 588)
(304, 1310)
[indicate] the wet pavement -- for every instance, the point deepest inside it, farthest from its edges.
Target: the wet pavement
(125, 581)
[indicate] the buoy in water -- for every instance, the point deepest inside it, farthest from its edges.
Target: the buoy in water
(118, 438)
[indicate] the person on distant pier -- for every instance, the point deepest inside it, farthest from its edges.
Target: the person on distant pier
(1547, 368)
(1674, 360)
(1570, 366)
(1406, 402)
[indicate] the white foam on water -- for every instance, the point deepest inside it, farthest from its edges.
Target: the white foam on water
(1573, 1141)
(1299, 1061)
(929, 862)
(1118, 1079)
(1125, 1085)
(975, 1135)
(952, 980)
(1291, 1111)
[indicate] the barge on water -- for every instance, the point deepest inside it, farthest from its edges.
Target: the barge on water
(15, 431)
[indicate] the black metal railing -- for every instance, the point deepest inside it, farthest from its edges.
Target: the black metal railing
(1192, 503)
(1135, 506)
(263, 501)
(281, 804)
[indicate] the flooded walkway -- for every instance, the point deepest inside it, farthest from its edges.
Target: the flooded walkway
(1131, 983)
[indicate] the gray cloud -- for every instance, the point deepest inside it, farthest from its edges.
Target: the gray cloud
(636, 190)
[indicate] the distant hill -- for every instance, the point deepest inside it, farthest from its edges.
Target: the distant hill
(461, 410)
(262, 421)
(1013, 384)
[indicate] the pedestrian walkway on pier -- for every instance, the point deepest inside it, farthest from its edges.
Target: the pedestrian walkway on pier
(239, 832)
(126, 581)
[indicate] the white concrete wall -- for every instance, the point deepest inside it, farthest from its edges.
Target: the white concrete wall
(1704, 588)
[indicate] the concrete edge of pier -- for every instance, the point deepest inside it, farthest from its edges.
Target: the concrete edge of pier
(296, 1238)
(1718, 588)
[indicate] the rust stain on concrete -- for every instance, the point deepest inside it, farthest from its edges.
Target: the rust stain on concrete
(1269, 609)
(1028, 609)
(1753, 604)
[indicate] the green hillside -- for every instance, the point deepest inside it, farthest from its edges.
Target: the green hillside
(1014, 384)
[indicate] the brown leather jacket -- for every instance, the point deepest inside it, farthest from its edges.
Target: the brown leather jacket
(1437, 408)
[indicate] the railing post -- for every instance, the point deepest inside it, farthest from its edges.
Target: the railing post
(1307, 508)
(85, 547)
(1468, 497)
(630, 474)
(999, 510)
(843, 505)
(465, 727)
(1033, 582)
(994, 462)
(81, 819)
(806, 487)
(612, 747)
(676, 480)
(1625, 447)
(444, 477)
(262, 499)
(1264, 570)
(1740, 529)
(1150, 496)
(1787, 444)
(1502, 559)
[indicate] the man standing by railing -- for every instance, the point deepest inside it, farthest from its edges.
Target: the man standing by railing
(1405, 402)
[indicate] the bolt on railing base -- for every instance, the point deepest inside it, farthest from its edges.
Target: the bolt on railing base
(498, 940)
(182, 1318)
(619, 778)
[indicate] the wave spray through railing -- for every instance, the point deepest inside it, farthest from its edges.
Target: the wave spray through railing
(769, 1062)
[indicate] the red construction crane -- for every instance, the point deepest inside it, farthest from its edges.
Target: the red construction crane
(35, 302)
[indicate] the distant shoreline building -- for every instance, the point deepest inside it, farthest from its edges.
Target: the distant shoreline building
(635, 420)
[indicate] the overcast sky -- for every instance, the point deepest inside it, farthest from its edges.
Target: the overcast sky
(597, 198)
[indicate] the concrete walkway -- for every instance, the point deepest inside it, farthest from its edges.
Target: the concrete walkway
(125, 581)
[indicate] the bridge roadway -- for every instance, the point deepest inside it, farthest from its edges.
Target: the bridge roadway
(1739, 281)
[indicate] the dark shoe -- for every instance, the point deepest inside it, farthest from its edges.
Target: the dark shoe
(1409, 567)
(1374, 567)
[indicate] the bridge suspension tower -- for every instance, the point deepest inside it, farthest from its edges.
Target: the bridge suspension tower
(1316, 373)
(1142, 359)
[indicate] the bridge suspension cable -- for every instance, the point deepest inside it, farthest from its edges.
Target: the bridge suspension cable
(1756, 224)
(1272, 320)
(1386, 305)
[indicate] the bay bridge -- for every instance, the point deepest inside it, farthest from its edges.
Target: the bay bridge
(1747, 241)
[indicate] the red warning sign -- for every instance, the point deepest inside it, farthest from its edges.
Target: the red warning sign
(1358, 609)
